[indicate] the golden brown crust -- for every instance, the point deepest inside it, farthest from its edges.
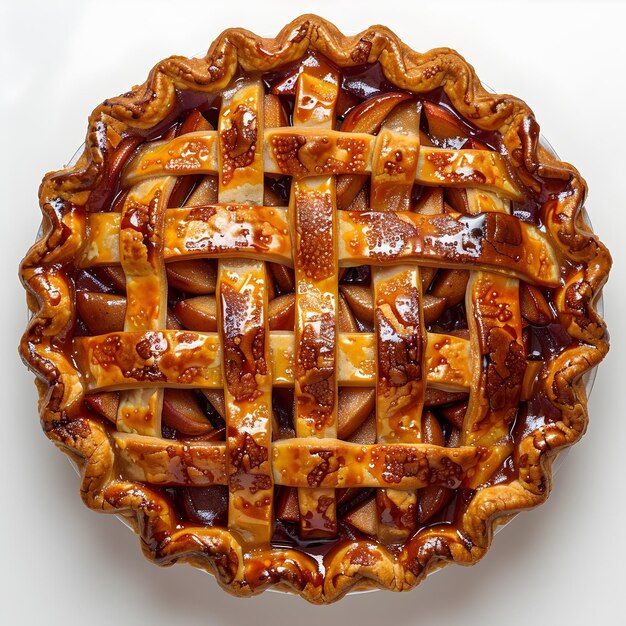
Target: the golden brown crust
(115, 124)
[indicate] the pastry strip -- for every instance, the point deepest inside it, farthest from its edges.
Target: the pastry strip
(496, 242)
(243, 328)
(181, 358)
(398, 318)
(317, 150)
(313, 211)
(303, 463)
(495, 323)
(246, 367)
(141, 257)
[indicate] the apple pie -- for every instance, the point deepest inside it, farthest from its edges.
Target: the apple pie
(314, 312)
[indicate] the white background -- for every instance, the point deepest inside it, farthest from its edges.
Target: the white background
(61, 563)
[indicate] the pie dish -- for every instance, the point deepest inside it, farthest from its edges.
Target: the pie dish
(313, 312)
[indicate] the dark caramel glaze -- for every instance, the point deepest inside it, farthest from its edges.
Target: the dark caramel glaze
(315, 256)
(241, 368)
(239, 141)
(487, 239)
(400, 358)
(316, 348)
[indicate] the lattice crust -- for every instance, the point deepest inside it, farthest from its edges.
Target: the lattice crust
(326, 227)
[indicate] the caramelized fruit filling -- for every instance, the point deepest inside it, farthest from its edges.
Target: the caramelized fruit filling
(362, 102)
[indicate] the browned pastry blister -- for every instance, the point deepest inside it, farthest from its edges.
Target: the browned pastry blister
(313, 312)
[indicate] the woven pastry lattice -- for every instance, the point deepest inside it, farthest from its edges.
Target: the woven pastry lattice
(321, 231)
